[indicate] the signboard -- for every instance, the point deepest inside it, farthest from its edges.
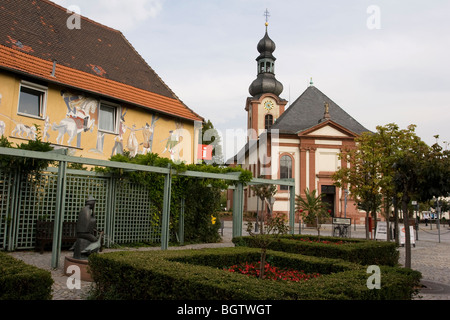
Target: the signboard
(381, 233)
(411, 234)
(344, 221)
(204, 152)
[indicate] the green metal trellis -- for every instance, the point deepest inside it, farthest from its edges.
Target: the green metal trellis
(68, 192)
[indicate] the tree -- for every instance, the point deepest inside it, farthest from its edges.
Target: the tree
(268, 232)
(210, 136)
(263, 192)
(274, 227)
(363, 177)
(408, 179)
(312, 208)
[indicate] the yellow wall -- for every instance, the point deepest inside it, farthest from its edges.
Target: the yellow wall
(137, 125)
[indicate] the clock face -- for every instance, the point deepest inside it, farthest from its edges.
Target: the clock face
(268, 105)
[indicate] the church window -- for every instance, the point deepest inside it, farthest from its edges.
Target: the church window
(285, 170)
(268, 121)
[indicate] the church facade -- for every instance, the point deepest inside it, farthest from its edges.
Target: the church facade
(302, 141)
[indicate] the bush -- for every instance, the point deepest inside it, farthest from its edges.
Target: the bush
(354, 250)
(199, 275)
(20, 281)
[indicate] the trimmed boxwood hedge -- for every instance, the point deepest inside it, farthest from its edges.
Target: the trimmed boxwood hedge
(199, 275)
(20, 281)
(355, 250)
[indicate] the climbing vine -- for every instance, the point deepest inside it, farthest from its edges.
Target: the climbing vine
(201, 195)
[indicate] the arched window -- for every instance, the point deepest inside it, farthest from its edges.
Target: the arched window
(268, 121)
(285, 170)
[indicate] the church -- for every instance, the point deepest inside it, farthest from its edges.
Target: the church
(302, 141)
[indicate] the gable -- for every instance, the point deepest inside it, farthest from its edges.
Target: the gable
(328, 131)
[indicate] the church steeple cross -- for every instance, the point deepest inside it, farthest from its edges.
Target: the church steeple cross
(267, 15)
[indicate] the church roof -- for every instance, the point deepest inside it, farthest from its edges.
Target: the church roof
(308, 111)
(95, 58)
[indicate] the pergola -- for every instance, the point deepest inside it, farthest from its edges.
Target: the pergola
(60, 156)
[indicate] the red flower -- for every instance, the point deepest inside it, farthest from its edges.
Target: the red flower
(271, 272)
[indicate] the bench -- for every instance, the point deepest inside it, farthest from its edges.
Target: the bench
(44, 233)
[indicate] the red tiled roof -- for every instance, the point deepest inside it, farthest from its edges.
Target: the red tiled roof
(95, 58)
(22, 62)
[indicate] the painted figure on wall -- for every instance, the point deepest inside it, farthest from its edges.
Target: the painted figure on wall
(132, 143)
(78, 118)
(2, 128)
(148, 135)
(118, 140)
(24, 131)
(47, 127)
(173, 141)
(2, 124)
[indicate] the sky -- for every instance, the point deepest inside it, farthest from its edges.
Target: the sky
(382, 61)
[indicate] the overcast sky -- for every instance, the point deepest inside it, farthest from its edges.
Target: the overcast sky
(382, 61)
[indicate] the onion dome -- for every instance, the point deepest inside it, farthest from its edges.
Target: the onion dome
(266, 81)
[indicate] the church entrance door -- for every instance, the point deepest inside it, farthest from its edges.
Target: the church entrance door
(329, 197)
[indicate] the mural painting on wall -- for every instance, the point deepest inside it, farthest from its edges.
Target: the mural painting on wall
(2, 123)
(81, 116)
(78, 118)
(132, 141)
(173, 142)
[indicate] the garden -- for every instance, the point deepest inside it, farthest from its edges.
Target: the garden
(232, 274)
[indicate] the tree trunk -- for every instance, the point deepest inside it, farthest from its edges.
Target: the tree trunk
(397, 241)
(262, 263)
(405, 201)
(367, 225)
(318, 228)
(387, 216)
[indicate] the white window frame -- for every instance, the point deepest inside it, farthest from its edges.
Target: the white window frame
(36, 87)
(116, 116)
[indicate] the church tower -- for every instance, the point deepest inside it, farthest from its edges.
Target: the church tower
(265, 105)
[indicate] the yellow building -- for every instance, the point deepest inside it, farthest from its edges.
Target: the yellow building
(81, 85)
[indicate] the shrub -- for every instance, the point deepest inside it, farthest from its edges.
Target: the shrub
(20, 281)
(199, 275)
(355, 250)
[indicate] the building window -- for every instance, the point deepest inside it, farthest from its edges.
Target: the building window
(32, 100)
(285, 170)
(268, 121)
(107, 119)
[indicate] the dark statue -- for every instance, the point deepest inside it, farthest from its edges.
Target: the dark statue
(88, 237)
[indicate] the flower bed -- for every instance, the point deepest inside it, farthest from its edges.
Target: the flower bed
(200, 275)
(271, 272)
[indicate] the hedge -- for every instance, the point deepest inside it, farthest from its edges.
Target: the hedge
(20, 281)
(199, 275)
(355, 250)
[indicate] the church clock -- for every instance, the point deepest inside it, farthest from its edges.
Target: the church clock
(268, 105)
